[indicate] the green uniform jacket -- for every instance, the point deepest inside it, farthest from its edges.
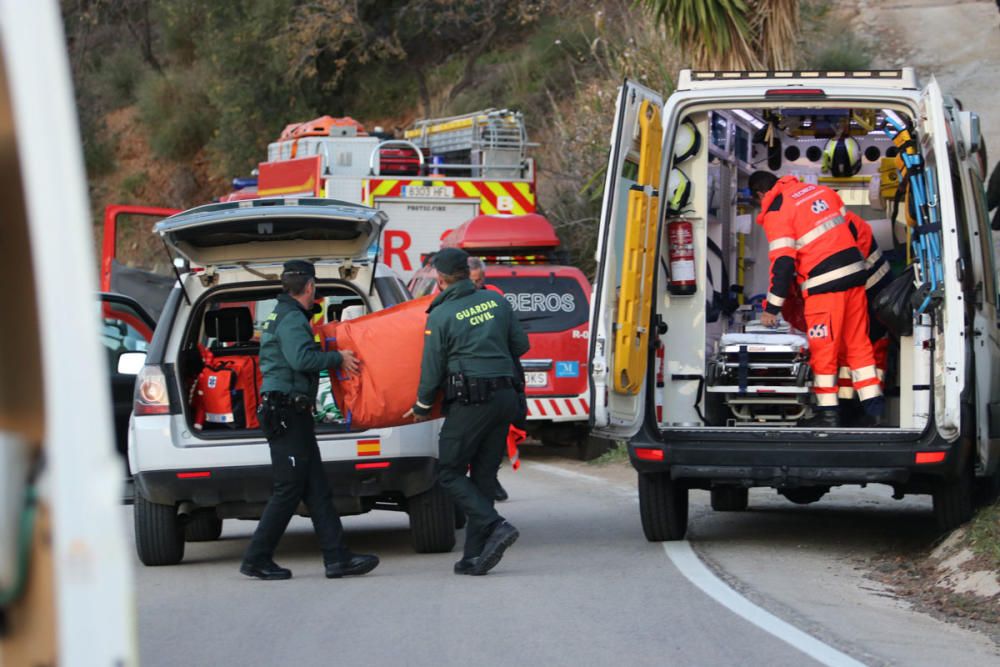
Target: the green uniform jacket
(290, 358)
(471, 331)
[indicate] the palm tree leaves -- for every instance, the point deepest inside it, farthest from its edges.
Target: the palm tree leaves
(731, 34)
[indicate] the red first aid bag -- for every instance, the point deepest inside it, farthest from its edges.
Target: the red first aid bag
(227, 391)
(390, 344)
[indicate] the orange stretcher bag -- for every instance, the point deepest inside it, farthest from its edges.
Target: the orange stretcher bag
(390, 344)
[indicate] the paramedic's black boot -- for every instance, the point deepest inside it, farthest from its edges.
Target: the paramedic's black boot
(501, 493)
(823, 419)
(502, 536)
(874, 409)
(355, 565)
(270, 571)
(870, 421)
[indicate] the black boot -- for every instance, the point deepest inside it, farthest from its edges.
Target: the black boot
(828, 418)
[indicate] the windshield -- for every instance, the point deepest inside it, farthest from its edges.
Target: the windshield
(544, 304)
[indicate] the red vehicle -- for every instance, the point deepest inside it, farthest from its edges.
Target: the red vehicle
(552, 301)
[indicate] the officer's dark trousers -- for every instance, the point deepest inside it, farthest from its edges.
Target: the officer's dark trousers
(298, 476)
(472, 441)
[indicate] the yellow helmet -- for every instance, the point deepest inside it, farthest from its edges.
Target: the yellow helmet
(842, 157)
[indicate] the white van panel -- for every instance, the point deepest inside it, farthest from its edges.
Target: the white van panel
(950, 342)
(416, 227)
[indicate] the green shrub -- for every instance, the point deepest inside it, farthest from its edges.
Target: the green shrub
(117, 76)
(177, 112)
(848, 52)
(134, 183)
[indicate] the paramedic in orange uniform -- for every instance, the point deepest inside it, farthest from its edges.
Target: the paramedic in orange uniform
(809, 242)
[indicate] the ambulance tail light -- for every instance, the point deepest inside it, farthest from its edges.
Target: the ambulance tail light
(929, 457)
(649, 454)
(151, 397)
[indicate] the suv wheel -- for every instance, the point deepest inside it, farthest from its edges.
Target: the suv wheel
(159, 535)
(663, 507)
(730, 498)
(953, 500)
(805, 494)
(432, 521)
(202, 526)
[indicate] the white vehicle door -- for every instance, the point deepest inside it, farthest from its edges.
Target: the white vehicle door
(986, 333)
(622, 300)
(949, 326)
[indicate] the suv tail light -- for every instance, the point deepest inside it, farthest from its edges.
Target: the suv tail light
(151, 396)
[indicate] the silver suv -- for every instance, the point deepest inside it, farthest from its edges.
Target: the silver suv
(189, 477)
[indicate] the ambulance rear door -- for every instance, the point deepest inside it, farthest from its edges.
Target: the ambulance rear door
(622, 303)
(949, 326)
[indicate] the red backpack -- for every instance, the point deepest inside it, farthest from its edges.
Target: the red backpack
(227, 391)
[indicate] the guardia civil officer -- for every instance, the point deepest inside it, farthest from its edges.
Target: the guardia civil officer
(470, 342)
(290, 361)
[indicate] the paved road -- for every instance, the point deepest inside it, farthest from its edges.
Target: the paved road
(581, 587)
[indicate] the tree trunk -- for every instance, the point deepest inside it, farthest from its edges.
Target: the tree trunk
(468, 74)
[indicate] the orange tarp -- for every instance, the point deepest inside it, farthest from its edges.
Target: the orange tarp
(389, 344)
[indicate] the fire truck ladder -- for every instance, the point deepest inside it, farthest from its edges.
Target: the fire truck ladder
(491, 142)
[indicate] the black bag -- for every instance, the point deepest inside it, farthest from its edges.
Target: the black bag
(893, 306)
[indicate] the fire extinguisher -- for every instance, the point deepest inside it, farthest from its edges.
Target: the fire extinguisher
(680, 239)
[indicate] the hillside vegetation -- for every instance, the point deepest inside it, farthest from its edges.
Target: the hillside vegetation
(177, 97)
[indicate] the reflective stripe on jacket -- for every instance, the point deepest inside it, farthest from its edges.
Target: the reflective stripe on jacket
(809, 241)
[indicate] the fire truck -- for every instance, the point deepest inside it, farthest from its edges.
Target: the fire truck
(443, 172)
(551, 299)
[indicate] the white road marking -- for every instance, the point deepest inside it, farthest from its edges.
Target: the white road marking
(694, 570)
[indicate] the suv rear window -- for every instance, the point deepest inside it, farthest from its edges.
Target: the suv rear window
(544, 304)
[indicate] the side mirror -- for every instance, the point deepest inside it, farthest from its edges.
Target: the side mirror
(130, 363)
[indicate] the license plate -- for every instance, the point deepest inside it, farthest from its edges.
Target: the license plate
(429, 191)
(536, 379)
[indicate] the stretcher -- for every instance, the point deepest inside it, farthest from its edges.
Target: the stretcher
(761, 376)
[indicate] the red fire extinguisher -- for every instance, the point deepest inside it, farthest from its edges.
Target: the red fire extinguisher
(680, 239)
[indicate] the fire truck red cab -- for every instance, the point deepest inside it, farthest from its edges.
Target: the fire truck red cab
(551, 299)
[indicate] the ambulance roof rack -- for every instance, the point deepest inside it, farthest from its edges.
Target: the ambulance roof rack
(903, 78)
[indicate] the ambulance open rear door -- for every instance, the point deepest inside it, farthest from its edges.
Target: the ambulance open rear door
(623, 298)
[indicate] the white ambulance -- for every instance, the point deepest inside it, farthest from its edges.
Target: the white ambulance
(683, 269)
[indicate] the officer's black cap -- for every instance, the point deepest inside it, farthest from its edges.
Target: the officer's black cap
(299, 267)
(451, 260)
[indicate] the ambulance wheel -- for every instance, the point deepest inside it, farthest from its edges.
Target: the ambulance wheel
(730, 498)
(202, 526)
(159, 533)
(805, 494)
(432, 521)
(953, 500)
(663, 507)
(987, 489)
(589, 447)
(460, 519)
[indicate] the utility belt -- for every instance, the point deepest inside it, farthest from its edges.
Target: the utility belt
(459, 388)
(299, 403)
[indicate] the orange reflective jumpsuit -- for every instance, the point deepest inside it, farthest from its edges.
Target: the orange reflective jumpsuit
(809, 242)
(879, 276)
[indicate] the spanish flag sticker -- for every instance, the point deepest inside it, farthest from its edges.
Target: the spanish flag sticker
(369, 447)
(427, 332)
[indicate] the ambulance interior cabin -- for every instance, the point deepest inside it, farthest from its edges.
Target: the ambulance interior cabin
(717, 366)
